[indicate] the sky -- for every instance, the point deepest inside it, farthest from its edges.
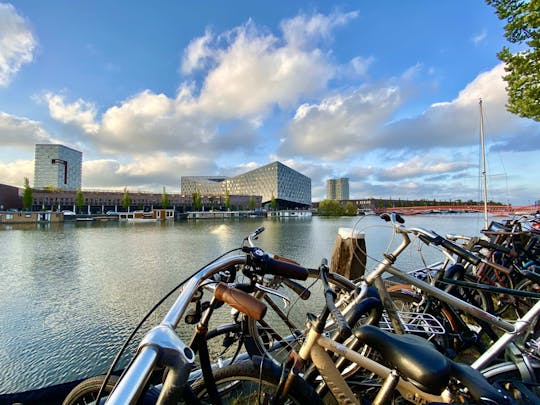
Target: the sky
(384, 93)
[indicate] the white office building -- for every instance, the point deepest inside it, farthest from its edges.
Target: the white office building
(337, 189)
(57, 166)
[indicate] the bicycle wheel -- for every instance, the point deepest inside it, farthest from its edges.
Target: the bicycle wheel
(518, 306)
(249, 383)
(507, 376)
(282, 329)
(86, 391)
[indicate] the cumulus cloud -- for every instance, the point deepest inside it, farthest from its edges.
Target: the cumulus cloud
(151, 172)
(21, 133)
(79, 113)
(304, 30)
(13, 173)
(248, 73)
(456, 123)
(17, 43)
(420, 166)
(340, 125)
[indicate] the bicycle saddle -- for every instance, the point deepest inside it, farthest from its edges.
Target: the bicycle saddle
(413, 357)
(417, 360)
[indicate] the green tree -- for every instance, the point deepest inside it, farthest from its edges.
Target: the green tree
(273, 203)
(522, 66)
(350, 209)
(27, 198)
(197, 201)
(227, 200)
(126, 199)
(79, 199)
(164, 199)
(330, 208)
(251, 203)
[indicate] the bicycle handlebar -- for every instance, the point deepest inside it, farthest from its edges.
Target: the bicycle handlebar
(344, 330)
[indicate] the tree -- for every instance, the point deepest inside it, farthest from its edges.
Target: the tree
(350, 209)
(523, 66)
(273, 203)
(79, 199)
(330, 208)
(27, 198)
(197, 201)
(251, 203)
(164, 199)
(126, 200)
(227, 200)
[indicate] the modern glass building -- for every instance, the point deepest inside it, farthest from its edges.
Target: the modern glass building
(289, 188)
(337, 189)
(57, 166)
(202, 184)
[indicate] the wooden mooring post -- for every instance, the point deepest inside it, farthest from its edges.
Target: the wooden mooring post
(349, 255)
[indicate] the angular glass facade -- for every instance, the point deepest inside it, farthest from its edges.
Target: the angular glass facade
(287, 186)
(57, 166)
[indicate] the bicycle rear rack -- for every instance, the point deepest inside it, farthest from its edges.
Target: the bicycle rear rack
(415, 322)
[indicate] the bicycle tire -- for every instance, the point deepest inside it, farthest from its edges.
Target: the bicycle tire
(86, 391)
(251, 383)
(508, 377)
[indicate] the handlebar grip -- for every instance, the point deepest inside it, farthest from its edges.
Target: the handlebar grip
(458, 250)
(245, 303)
(286, 269)
(285, 259)
(299, 289)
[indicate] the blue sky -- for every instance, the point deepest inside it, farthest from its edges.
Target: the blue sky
(385, 93)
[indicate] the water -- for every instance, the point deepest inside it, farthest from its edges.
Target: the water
(70, 293)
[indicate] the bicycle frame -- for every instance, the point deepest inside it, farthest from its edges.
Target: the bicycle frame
(315, 348)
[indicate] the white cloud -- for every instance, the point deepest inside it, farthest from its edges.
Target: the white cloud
(13, 173)
(197, 53)
(304, 30)
(421, 166)
(150, 172)
(479, 38)
(340, 125)
(21, 133)
(17, 43)
(79, 113)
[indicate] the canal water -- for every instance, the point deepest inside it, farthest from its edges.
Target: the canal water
(70, 293)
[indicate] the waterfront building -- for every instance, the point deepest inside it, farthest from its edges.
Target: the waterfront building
(337, 189)
(204, 185)
(273, 182)
(98, 202)
(57, 167)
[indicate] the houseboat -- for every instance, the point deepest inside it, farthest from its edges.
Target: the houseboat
(156, 215)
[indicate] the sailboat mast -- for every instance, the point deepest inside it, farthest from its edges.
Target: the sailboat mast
(484, 176)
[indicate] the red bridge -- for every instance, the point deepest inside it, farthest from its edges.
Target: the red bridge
(501, 210)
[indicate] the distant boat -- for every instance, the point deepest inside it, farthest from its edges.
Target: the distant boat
(157, 215)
